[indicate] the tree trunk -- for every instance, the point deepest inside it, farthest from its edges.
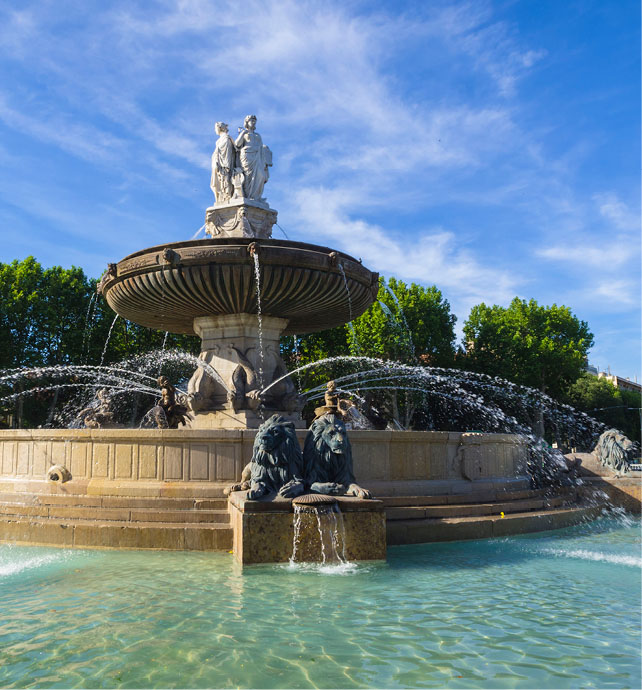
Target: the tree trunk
(395, 408)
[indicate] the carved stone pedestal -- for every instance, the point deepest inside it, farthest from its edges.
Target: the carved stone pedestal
(240, 218)
(246, 364)
(264, 530)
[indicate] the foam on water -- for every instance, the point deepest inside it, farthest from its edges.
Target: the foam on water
(346, 568)
(594, 556)
(11, 564)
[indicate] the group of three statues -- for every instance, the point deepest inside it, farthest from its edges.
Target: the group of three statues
(279, 467)
(240, 167)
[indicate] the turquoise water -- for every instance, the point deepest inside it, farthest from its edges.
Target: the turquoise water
(554, 610)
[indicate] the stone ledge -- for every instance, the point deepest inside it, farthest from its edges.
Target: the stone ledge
(113, 535)
(278, 504)
(483, 527)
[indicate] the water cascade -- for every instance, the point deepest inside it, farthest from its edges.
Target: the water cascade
(319, 531)
(406, 328)
(259, 314)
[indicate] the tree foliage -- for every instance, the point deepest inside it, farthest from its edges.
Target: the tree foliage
(532, 345)
(53, 317)
(603, 401)
(407, 323)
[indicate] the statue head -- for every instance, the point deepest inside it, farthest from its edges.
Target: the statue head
(249, 122)
(615, 450)
(220, 127)
(328, 434)
(276, 443)
(332, 386)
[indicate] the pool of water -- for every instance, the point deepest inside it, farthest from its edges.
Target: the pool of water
(553, 610)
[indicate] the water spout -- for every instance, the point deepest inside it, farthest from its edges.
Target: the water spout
(111, 328)
(257, 279)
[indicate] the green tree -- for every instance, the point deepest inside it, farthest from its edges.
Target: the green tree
(603, 401)
(20, 305)
(537, 346)
(54, 317)
(407, 323)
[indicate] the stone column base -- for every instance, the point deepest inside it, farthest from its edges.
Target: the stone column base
(245, 364)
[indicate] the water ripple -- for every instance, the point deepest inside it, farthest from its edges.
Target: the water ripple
(511, 613)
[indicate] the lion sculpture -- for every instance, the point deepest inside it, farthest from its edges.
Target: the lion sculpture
(615, 450)
(327, 457)
(277, 462)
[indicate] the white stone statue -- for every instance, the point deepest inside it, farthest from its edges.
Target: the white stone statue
(254, 159)
(223, 164)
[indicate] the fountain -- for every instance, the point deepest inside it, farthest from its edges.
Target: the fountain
(240, 290)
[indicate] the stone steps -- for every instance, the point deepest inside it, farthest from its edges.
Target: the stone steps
(419, 531)
(150, 514)
(97, 521)
(157, 522)
(120, 534)
(472, 509)
(486, 496)
(97, 501)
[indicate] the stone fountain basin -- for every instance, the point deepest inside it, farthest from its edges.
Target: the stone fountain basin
(166, 287)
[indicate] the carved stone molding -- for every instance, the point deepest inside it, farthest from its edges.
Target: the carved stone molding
(240, 218)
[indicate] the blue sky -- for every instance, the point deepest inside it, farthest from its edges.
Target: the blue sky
(490, 148)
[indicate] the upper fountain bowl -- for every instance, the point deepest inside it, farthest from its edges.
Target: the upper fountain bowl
(168, 286)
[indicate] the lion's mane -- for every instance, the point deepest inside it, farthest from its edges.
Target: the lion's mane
(275, 468)
(321, 463)
(615, 450)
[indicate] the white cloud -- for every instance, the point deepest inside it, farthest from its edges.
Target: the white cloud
(137, 90)
(604, 251)
(84, 141)
(619, 292)
(617, 212)
(594, 254)
(431, 256)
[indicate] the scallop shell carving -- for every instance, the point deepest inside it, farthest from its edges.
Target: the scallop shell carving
(313, 499)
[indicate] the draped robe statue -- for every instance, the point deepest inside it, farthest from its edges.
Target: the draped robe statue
(253, 158)
(223, 163)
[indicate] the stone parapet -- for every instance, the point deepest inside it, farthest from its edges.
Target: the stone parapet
(398, 459)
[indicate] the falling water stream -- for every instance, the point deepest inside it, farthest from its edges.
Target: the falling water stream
(111, 328)
(353, 332)
(259, 314)
(330, 528)
(86, 332)
(406, 328)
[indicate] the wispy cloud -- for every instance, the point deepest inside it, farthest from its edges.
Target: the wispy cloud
(433, 255)
(617, 212)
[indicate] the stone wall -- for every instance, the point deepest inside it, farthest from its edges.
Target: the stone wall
(218, 456)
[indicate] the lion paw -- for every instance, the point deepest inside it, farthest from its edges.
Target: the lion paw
(256, 491)
(292, 489)
(356, 490)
